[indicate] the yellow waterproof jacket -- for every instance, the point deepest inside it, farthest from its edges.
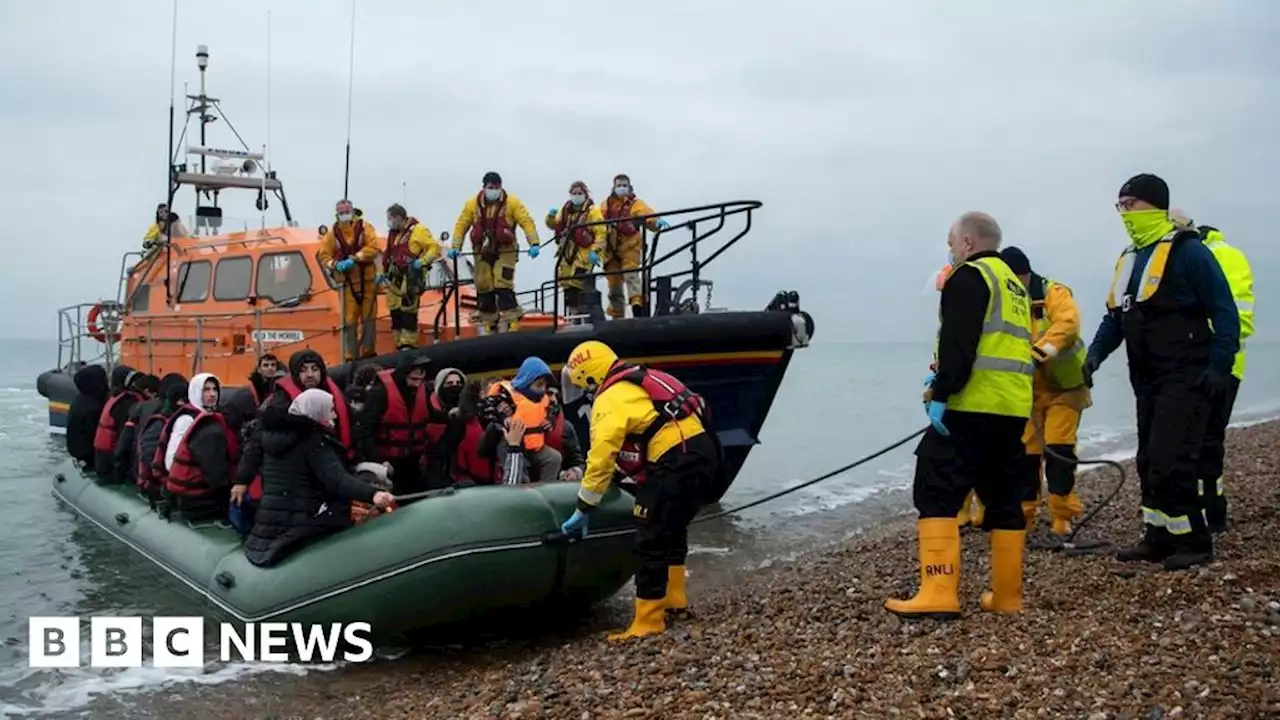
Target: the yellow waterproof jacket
(364, 255)
(638, 207)
(624, 409)
(1235, 266)
(422, 244)
(1063, 332)
(592, 214)
(515, 213)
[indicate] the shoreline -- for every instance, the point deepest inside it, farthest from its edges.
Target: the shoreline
(806, 636)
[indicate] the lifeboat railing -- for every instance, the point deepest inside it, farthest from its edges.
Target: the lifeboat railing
(99, 322)
(662, 295)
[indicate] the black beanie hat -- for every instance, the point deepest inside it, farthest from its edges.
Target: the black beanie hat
(1016, 260)
(1148, 188)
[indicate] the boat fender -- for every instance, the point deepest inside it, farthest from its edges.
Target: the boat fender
(122, 518)
(225, 579)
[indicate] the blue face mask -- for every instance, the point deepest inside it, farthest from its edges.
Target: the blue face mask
(492, 194)
(622, 190)
(577, 199)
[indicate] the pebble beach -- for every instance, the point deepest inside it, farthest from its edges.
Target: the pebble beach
(808, 638)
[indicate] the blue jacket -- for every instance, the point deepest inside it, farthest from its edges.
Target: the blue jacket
(1192, 278)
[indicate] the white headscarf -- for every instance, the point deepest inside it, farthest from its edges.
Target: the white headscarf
(315, 404)
(195, 396)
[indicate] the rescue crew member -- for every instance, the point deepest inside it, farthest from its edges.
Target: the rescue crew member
(393, 426)
(167, 224)
(971, 511)
(1171, 306)
(527, 399)
(978, 406)
(410, 251)
(646, 421)
(149, 419)
(1060, 396)
(200, 454)
(349, 251)
(306, 485)
(1235, 266)
(491, 218)
(123, 465)
(580, 247)
(92, 389)
(445, 427)
(115, 412)
(624, 248)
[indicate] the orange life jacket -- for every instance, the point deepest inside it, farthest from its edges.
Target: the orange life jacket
(104, 439)
(400, 433)
(582, 237)
(672, 400)
(622, 209)
(495, 227)
(342, 428)
(186, 478)
(534, 414)
(468, 465)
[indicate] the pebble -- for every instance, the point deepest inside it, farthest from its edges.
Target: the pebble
(807, 638)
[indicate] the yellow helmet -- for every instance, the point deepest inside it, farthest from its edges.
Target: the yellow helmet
(589, 363)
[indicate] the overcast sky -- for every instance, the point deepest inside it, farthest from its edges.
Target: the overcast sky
(864, 128)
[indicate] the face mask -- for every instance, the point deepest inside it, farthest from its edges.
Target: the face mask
(344, 217)
(492, 194)
(450, 394)
(577, 199)
(622, 190)
(532, 394)
(1146, 226)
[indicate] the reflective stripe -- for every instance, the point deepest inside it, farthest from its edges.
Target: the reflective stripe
(1001, 379)
(588, 497)
(1180, 525)
(1152, 273)
(1014, 366)
(1219, 485)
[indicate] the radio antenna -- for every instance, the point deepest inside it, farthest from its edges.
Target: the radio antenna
(168, 161)
(351, 67)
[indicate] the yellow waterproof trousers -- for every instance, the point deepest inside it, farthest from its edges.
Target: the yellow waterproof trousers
(495, 290)
(359, 318)
(1056, 417)
(404, 315)
(624, 253)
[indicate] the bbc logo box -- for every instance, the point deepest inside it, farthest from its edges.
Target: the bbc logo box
(179, 642)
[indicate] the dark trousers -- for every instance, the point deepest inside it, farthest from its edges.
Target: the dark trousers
(984, 453)
(1212, 454)
(1173, 412)
(666, 502)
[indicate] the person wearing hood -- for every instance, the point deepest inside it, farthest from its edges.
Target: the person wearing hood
(580, 247)
(306, 371)
(393, 426)
(1171, 306)
(86, 409)
(111, 422)
(446, 427)
(349, 251)
(528, 401)
(122, 467)
(200, 453)
(146, 422)
(410, 251)
(306, 487)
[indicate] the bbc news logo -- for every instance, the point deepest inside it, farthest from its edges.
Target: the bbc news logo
(178, 642)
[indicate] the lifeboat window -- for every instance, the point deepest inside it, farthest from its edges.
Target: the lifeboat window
(193, 281)
(282, 276)
(231, 280)
(141, 299)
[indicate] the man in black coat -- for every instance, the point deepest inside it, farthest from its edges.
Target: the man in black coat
(86, 408)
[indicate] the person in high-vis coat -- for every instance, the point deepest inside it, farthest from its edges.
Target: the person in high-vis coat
(348, 250)
(978, 404)
(1060, 396)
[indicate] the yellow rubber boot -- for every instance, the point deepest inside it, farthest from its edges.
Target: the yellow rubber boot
(1005, 595)
(676, 599)
(1064, 509)
(964, 518)
(1029, 509)
(938, 596)
(979, 511)
(649, 620)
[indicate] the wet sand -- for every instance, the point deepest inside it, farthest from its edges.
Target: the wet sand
(808, 638)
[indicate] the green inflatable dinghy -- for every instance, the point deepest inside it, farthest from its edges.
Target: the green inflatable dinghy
(441, 560)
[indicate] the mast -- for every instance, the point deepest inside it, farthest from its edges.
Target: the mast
(170, 187)
(351, 67)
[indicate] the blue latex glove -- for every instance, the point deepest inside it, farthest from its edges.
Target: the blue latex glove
(935, 410)
(417, 263)
(663, 224)
(379, 278)
(552, 212)
(593, 257)
(451, 253)
(533, 251)
(577, 521)
(928, 379)
(344, 265)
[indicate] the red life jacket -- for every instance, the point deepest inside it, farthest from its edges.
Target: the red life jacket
(672, 400)
(253, 393)
(495, 227)
(357, 237)
(186, 478)
(468, 465)
(342, 428)
(555, 438)
(104, 439)
(621, 210)
(582, 237)
(401, 434)
(437, 420)
(398, 253)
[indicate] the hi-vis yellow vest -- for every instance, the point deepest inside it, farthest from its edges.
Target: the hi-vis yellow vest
(1235, 266)
(1000, 383)
(1152, 273)
(1064, 371)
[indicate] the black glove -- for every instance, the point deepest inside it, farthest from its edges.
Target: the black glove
(1214, 381)
(1091, 365)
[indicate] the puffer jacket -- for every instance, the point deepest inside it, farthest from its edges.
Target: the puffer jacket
(82, 418)
(307, 489)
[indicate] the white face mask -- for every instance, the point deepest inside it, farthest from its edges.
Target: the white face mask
(622, 190)
(492, 194)
(577, 199)
(344, 217)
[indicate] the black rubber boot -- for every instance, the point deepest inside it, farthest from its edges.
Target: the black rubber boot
(1154, 547)
(1192, 549)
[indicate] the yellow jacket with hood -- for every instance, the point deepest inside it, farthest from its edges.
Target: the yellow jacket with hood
(364, 256)
(1063, 314)
(422, 244)
(1239, 275)
(514, 211)
(591, 215)
(624, 409)
(638, 207)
